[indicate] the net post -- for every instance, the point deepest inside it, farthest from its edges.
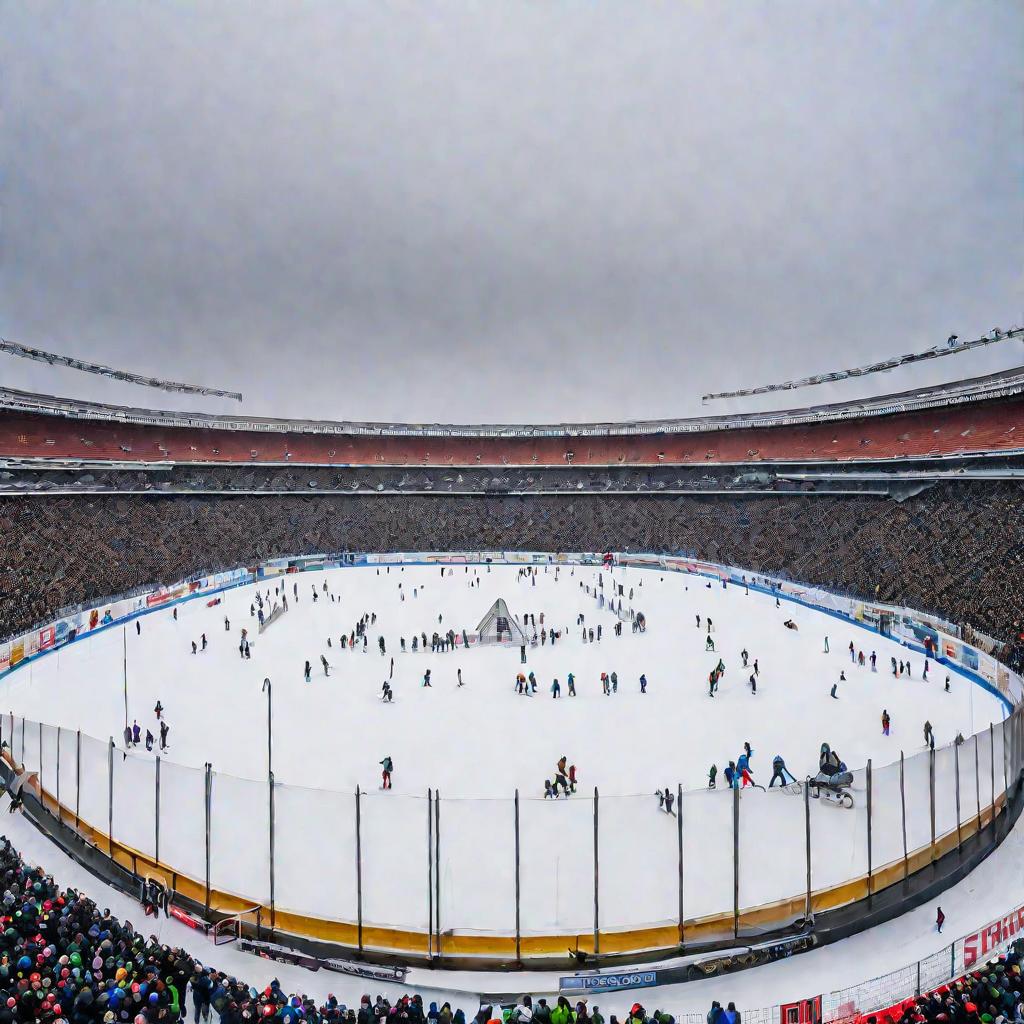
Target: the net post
(992, 764)
(272, 840)
(870, 794)
(430, 873)
(207, 801)
(359, 868)
(956, 774)
(807, 850)
(156, 811)
(78, 775)
(931, 800)
(679, 844)
(437, 869)
(735, 862)
(519, 957)
(597, 875)
(110, 798)
(903, 819)
(977, 783)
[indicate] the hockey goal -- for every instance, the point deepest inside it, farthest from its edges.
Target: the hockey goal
(232, 928)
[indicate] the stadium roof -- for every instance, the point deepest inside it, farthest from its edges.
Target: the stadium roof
(1005, 384)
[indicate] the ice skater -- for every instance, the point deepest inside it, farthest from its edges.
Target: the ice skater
(780, 772)
(885, 722)
(643, 683)
(324, 662)
(665, 800)
(555, 690)
(307, 672)
(387, 767)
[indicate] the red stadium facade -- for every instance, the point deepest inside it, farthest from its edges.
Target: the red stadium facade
(974, 418)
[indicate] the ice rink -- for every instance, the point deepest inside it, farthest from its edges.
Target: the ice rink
(484, 740)
(479, 743)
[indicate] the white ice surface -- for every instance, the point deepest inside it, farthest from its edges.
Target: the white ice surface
(478, 743)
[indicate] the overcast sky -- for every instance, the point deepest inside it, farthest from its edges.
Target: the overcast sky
(505, 210)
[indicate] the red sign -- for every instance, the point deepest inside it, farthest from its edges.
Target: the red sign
(184, 918)
(47, 637)
(980, 944)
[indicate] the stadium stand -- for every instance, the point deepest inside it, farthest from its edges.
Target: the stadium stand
(956, 549)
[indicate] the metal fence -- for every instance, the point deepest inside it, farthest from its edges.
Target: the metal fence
(442, 873)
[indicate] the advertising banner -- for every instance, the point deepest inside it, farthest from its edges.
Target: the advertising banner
(47, 637)
(5, 657)
(608, 982)
(988, 940)
(17, 652)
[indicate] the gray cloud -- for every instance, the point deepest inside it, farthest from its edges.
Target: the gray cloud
(504, 211)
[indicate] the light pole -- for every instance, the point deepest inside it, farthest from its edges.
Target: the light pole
(269, 690)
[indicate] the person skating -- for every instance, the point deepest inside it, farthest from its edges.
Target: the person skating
(712, 776)
(709, 644)
(929, 736)
(549, 793)
(753, 684)
(744, 654)
(150, 739)
(326, 666)
(164, 730)
(940, 920)
(885, 722)
(307, 672)
(227, 624)
(380, 644)
(458, 673)
(643, 683)
(780, 772)
(127, 737)
(555, 690)
(195, 647)
(203, 638)
(426, 678)
(572, 777)
(158, 710)
(669, 801)
(387, 766)
(136, 734)
(571, 681)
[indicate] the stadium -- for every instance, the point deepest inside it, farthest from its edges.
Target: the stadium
(511, 513)
(124, 526)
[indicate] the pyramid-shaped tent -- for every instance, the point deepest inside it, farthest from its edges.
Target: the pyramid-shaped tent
(499, 626)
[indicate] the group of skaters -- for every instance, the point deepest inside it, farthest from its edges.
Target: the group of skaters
(739, 774)
(526, 684)
(565, 779)
(133, 733)
(718, 672)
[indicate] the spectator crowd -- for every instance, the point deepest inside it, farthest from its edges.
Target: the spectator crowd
(63, 959)
(955, 549)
